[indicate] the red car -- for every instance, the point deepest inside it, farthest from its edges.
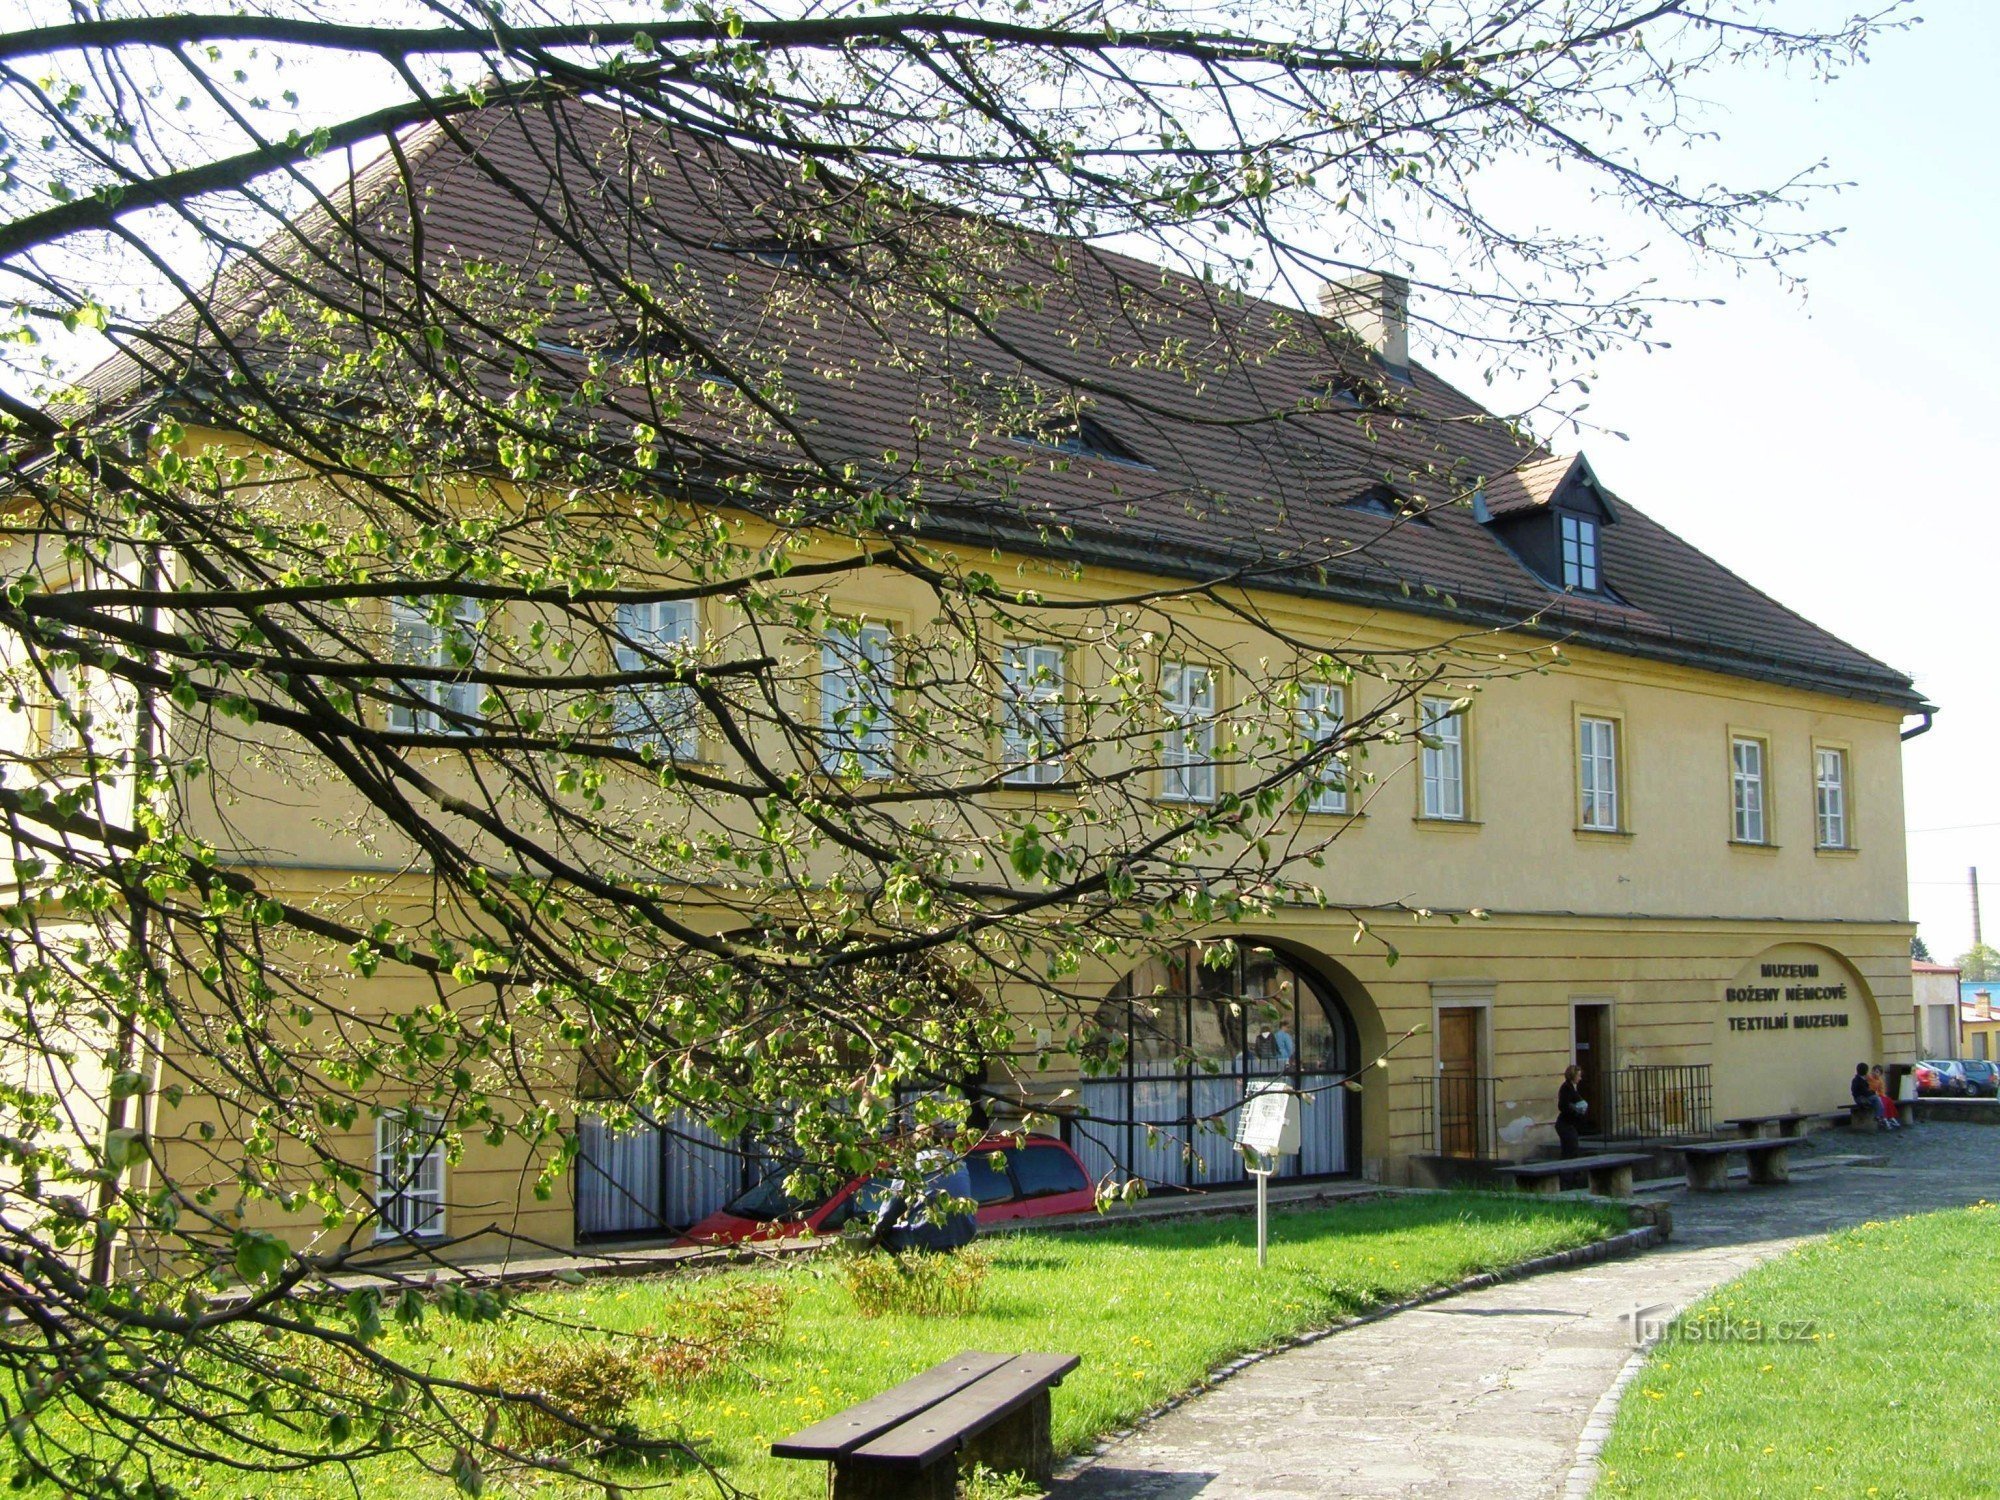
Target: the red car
(1012, 1178)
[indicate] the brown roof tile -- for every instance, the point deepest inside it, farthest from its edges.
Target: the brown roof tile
(1225, 482)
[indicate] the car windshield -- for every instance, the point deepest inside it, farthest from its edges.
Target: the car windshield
(870, 1196)
(769, 1201)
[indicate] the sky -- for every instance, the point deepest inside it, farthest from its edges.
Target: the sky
(1842, 451)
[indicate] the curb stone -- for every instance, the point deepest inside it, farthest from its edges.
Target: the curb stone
(1597, 1427)
(1634, 1241)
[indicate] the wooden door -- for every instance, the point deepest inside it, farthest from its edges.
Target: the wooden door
(1458, 1080)
(1593, 1056)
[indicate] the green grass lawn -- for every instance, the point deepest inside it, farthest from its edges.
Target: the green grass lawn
(1151, 1308)
(1887, 1394)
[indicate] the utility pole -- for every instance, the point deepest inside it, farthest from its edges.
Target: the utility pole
(1978, 938)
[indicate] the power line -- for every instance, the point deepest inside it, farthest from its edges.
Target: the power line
(1951, 828)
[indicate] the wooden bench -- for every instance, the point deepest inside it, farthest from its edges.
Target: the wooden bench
(1610, 1176)
(1708, 1162)
(1751, 1127)
(905, 1444)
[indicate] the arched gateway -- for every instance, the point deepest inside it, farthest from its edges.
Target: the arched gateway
(1178, 1040)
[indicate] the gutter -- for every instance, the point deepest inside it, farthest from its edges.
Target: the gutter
(1923, 728)
(1409, 598)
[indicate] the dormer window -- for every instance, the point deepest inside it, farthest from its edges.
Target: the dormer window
(1085, 437)
(1579, 553)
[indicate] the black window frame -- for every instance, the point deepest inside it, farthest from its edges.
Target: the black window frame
(1589, 544)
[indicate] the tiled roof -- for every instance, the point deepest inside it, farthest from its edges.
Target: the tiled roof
(1223, 485)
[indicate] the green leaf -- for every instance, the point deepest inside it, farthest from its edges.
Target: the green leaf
(260, 1255)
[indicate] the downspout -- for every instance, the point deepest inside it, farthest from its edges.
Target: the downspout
(1923, 728)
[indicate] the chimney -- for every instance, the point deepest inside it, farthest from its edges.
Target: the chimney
(1375, 307)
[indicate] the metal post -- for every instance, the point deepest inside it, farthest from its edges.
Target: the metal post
(1263, 1215)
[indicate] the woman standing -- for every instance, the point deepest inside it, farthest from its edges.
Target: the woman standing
(1571, 1107)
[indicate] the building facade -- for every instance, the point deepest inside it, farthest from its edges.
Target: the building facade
(1936, 1000)
(1671, 853)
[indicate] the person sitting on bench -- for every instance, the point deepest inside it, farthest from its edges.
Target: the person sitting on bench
(1891, 1116)
(1862, 1090)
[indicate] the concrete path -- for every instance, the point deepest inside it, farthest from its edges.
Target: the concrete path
(1489, 1394)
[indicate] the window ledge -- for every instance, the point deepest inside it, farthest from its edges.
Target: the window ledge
(1765, 846)
(1321, 815)
(1467, 823)
(1837, 851)
(1619, 835)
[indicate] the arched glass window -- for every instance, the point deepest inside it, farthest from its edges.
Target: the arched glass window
(1177, 1040)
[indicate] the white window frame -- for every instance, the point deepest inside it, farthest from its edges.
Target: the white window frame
(89, 693)
(1443, 765)
(1322, 714)
(1830, 809)
(1749, 790)
(1579, 552)
(416, 640)
(1187, 750)
(1597, 773)
(1032, 723)
(653, 634)
(409, 1185)
(857, 689)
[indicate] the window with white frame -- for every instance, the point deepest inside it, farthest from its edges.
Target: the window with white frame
(659, 634)
(409, 1174)
(1031, 730)
(1597, 773)
(1579, 553)
(1830, 796)
(1443, 755)
(1746, 788)
(426, 633)
(1187, 754)
(857, 701)
(1322, 714)
(83, 702)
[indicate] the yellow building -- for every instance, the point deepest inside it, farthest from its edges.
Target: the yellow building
(1979, 1022)
(1672, 853)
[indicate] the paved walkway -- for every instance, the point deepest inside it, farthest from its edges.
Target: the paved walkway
(1489, 1393)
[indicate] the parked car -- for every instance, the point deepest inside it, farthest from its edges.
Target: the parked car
(1009, 1177)
(1982, 1077)
(1941, 1076)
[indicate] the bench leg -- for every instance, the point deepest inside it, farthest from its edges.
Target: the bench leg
(1611, 1182)
(1749, 1130)
(860, 1481)
(1545, 1186)
(1708, 1174)
(1020, 1445)
(1770, 1167)
(1792, 1130)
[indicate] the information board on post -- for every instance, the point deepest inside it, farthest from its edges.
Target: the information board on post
(1267, 1127)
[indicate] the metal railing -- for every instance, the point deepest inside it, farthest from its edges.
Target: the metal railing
(1657, 1101)
(1459, 1115)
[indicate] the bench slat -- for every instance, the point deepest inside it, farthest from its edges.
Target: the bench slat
(845, 1431)
(1725, 1148)
(943, 1428)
